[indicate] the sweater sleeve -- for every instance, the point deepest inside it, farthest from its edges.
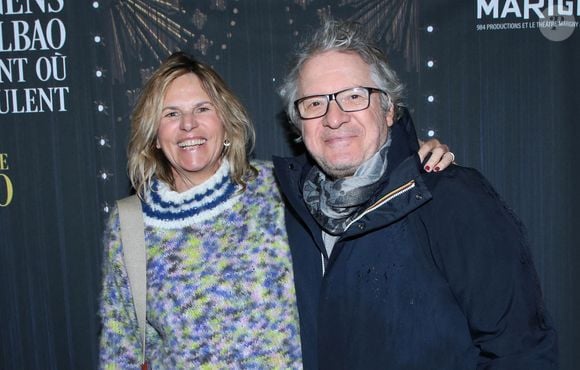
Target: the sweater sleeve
(119, 343)
(480, 247)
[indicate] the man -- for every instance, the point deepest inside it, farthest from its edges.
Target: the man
(396, 268)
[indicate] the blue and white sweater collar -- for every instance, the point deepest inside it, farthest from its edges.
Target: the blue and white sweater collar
(168, 209)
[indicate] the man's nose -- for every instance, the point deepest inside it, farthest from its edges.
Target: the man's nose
(335, 116)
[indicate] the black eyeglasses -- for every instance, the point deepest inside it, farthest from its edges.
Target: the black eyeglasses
(349, 100)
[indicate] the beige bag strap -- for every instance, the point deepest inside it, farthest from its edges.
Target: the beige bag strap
(135, 257)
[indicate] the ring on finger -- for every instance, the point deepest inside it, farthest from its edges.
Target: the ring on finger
(452, 156)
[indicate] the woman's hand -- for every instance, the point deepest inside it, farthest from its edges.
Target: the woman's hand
(441, 156)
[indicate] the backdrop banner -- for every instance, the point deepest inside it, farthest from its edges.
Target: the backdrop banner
(496, 80)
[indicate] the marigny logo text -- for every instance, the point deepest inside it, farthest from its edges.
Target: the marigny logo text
(555, 19)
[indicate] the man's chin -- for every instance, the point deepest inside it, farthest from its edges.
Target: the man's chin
(337, 170)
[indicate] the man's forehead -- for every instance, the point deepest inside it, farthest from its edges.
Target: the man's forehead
(333, 71)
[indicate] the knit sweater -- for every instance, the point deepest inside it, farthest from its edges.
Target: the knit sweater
(220, 291)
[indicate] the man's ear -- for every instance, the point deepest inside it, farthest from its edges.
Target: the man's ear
(390, 116)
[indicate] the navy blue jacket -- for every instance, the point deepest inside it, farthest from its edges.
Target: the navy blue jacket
(438, 276)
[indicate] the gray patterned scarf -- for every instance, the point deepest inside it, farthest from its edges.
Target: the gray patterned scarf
(335, 203)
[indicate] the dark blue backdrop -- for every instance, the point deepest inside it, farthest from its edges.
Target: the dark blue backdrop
(504, 97)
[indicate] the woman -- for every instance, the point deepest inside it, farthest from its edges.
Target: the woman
(220, 287)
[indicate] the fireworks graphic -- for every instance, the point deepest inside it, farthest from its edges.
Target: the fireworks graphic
(142, 33)
(393, 24)
(147, 31)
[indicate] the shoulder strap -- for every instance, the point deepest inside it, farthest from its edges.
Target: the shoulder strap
(134, 254)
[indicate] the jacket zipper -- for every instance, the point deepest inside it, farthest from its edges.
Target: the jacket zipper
(384, 199)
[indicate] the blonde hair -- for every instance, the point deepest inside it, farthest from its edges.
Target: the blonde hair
(145, 161)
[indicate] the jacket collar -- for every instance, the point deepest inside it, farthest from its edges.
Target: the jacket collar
(290, 173)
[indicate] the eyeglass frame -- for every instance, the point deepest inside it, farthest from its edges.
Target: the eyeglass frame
(332, 96)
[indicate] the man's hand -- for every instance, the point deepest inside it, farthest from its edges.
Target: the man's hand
(441, 156)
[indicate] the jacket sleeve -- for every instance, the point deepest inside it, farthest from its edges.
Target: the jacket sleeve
(480, 247)
(119, 342)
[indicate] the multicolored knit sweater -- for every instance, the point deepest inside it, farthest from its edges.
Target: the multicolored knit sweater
(220, 291)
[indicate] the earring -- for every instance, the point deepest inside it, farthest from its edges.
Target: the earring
(227, 143)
